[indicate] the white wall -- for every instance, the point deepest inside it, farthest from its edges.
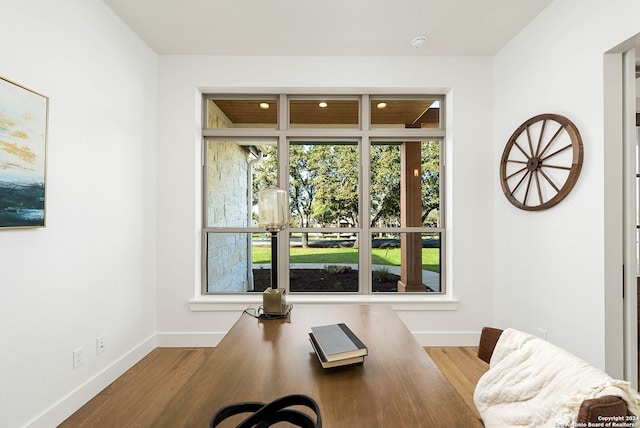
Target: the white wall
(558, 269)
(467, 81)
(91, 271)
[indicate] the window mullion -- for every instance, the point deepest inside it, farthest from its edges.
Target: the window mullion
(283, 183)
(365, 209)
(365, 113)
(364, 199)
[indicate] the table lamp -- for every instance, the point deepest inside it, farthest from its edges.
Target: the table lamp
(273, 212)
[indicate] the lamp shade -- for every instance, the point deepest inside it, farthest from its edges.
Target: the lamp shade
(273, 208)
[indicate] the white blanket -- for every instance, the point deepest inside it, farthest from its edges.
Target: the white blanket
(532, 383)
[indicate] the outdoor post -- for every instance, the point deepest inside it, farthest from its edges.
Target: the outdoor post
(411, 215)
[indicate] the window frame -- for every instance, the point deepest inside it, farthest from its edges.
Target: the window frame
(364, 135)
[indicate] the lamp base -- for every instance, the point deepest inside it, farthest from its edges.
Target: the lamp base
(274, 301)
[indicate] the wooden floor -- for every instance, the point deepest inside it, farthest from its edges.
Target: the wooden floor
(137, 397)
(462, 368)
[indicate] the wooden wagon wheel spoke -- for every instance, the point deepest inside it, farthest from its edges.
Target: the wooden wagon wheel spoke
(556, 188)
(544, 125)
(526, 193)
(520, 182)
(566, 168)
(551, 141)
(522, 150)
(517, 172)
(530, 144)
(557, 152)
(550, 183)
(517, 161)
(538, 187)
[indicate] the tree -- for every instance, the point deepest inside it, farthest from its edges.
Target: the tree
(385, 185)
(303, 181)
(431, 181)
(265, 171)
(337, 198)
(323, 183)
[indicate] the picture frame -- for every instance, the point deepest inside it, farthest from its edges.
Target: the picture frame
(24, 117)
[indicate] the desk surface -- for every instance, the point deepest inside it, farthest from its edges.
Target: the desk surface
(397, 386)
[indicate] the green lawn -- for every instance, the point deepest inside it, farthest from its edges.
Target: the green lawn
(380, 256)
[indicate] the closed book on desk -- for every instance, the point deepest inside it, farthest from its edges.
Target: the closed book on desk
(337, 342)
(352, 361)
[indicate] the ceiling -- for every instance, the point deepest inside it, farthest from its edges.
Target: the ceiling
(329, 27)
(422, 113)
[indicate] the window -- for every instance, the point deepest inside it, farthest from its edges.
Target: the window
(364, 176)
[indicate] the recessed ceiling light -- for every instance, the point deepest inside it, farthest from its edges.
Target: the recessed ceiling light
(419, 42)
(264, 105)
(322, 104)
(381, 105)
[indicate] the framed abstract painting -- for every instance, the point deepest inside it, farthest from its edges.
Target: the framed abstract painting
(23, 155)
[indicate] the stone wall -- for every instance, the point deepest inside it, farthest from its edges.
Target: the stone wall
(227, 192)
(227, 185)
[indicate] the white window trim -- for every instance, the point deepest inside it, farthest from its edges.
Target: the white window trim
(409, 301)
(406, 302)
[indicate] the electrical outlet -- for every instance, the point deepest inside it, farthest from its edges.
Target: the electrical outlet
(100, 344)
(78, 357)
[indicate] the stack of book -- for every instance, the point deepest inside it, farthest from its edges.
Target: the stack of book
(336, 345)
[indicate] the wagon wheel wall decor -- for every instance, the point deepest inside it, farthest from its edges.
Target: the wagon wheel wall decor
(541, 162)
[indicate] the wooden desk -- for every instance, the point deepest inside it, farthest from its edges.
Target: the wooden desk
(397, 386)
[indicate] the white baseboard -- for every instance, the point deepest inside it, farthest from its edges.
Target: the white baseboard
(189, 340)
(69, 404)
(447, 338)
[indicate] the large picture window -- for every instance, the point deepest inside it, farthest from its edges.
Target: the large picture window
(364, 176)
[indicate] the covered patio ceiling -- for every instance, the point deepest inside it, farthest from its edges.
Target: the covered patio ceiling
(410, 113)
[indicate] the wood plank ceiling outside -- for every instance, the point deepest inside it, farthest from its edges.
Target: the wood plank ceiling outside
(338, 112)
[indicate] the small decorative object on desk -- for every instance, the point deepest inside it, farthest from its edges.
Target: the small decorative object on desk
(336, 345)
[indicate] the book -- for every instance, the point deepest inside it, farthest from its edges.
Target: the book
(337, 342)
(331, 364)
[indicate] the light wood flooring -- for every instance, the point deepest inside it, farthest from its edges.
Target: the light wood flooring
(137, 397)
